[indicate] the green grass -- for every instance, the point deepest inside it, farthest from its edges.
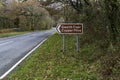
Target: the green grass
(11, 34)
(48, 62)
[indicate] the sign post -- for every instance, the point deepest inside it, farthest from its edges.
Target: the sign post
(70, 28)
(63, 43)
(77, 43)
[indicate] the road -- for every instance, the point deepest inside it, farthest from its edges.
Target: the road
(12, 49)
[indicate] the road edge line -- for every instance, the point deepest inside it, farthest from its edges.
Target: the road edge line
(14, 66)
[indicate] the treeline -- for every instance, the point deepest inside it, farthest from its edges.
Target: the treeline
(101, 18)
(22, 16)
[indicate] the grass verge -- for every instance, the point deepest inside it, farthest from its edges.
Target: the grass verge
(48, 62)
(11, 34)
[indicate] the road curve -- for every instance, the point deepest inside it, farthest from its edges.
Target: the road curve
(12, 49)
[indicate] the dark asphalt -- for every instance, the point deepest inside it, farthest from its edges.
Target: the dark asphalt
(12, 49)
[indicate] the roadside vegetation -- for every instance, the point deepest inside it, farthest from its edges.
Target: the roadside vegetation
(48, 62)
(11, 34)
(17, 17)
(24, 16)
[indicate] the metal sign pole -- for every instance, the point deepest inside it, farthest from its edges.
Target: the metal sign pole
(63, 43)
(77, 43)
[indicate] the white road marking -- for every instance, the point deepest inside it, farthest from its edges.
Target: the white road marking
(14, 66)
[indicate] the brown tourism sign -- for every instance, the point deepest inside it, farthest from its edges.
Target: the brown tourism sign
(70, 28)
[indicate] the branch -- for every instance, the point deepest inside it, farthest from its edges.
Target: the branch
(87, 2)
(77, 5)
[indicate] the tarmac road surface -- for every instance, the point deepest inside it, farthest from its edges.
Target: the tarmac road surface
(12, 49)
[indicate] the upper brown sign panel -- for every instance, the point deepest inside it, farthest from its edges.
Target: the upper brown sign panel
(70, 28)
